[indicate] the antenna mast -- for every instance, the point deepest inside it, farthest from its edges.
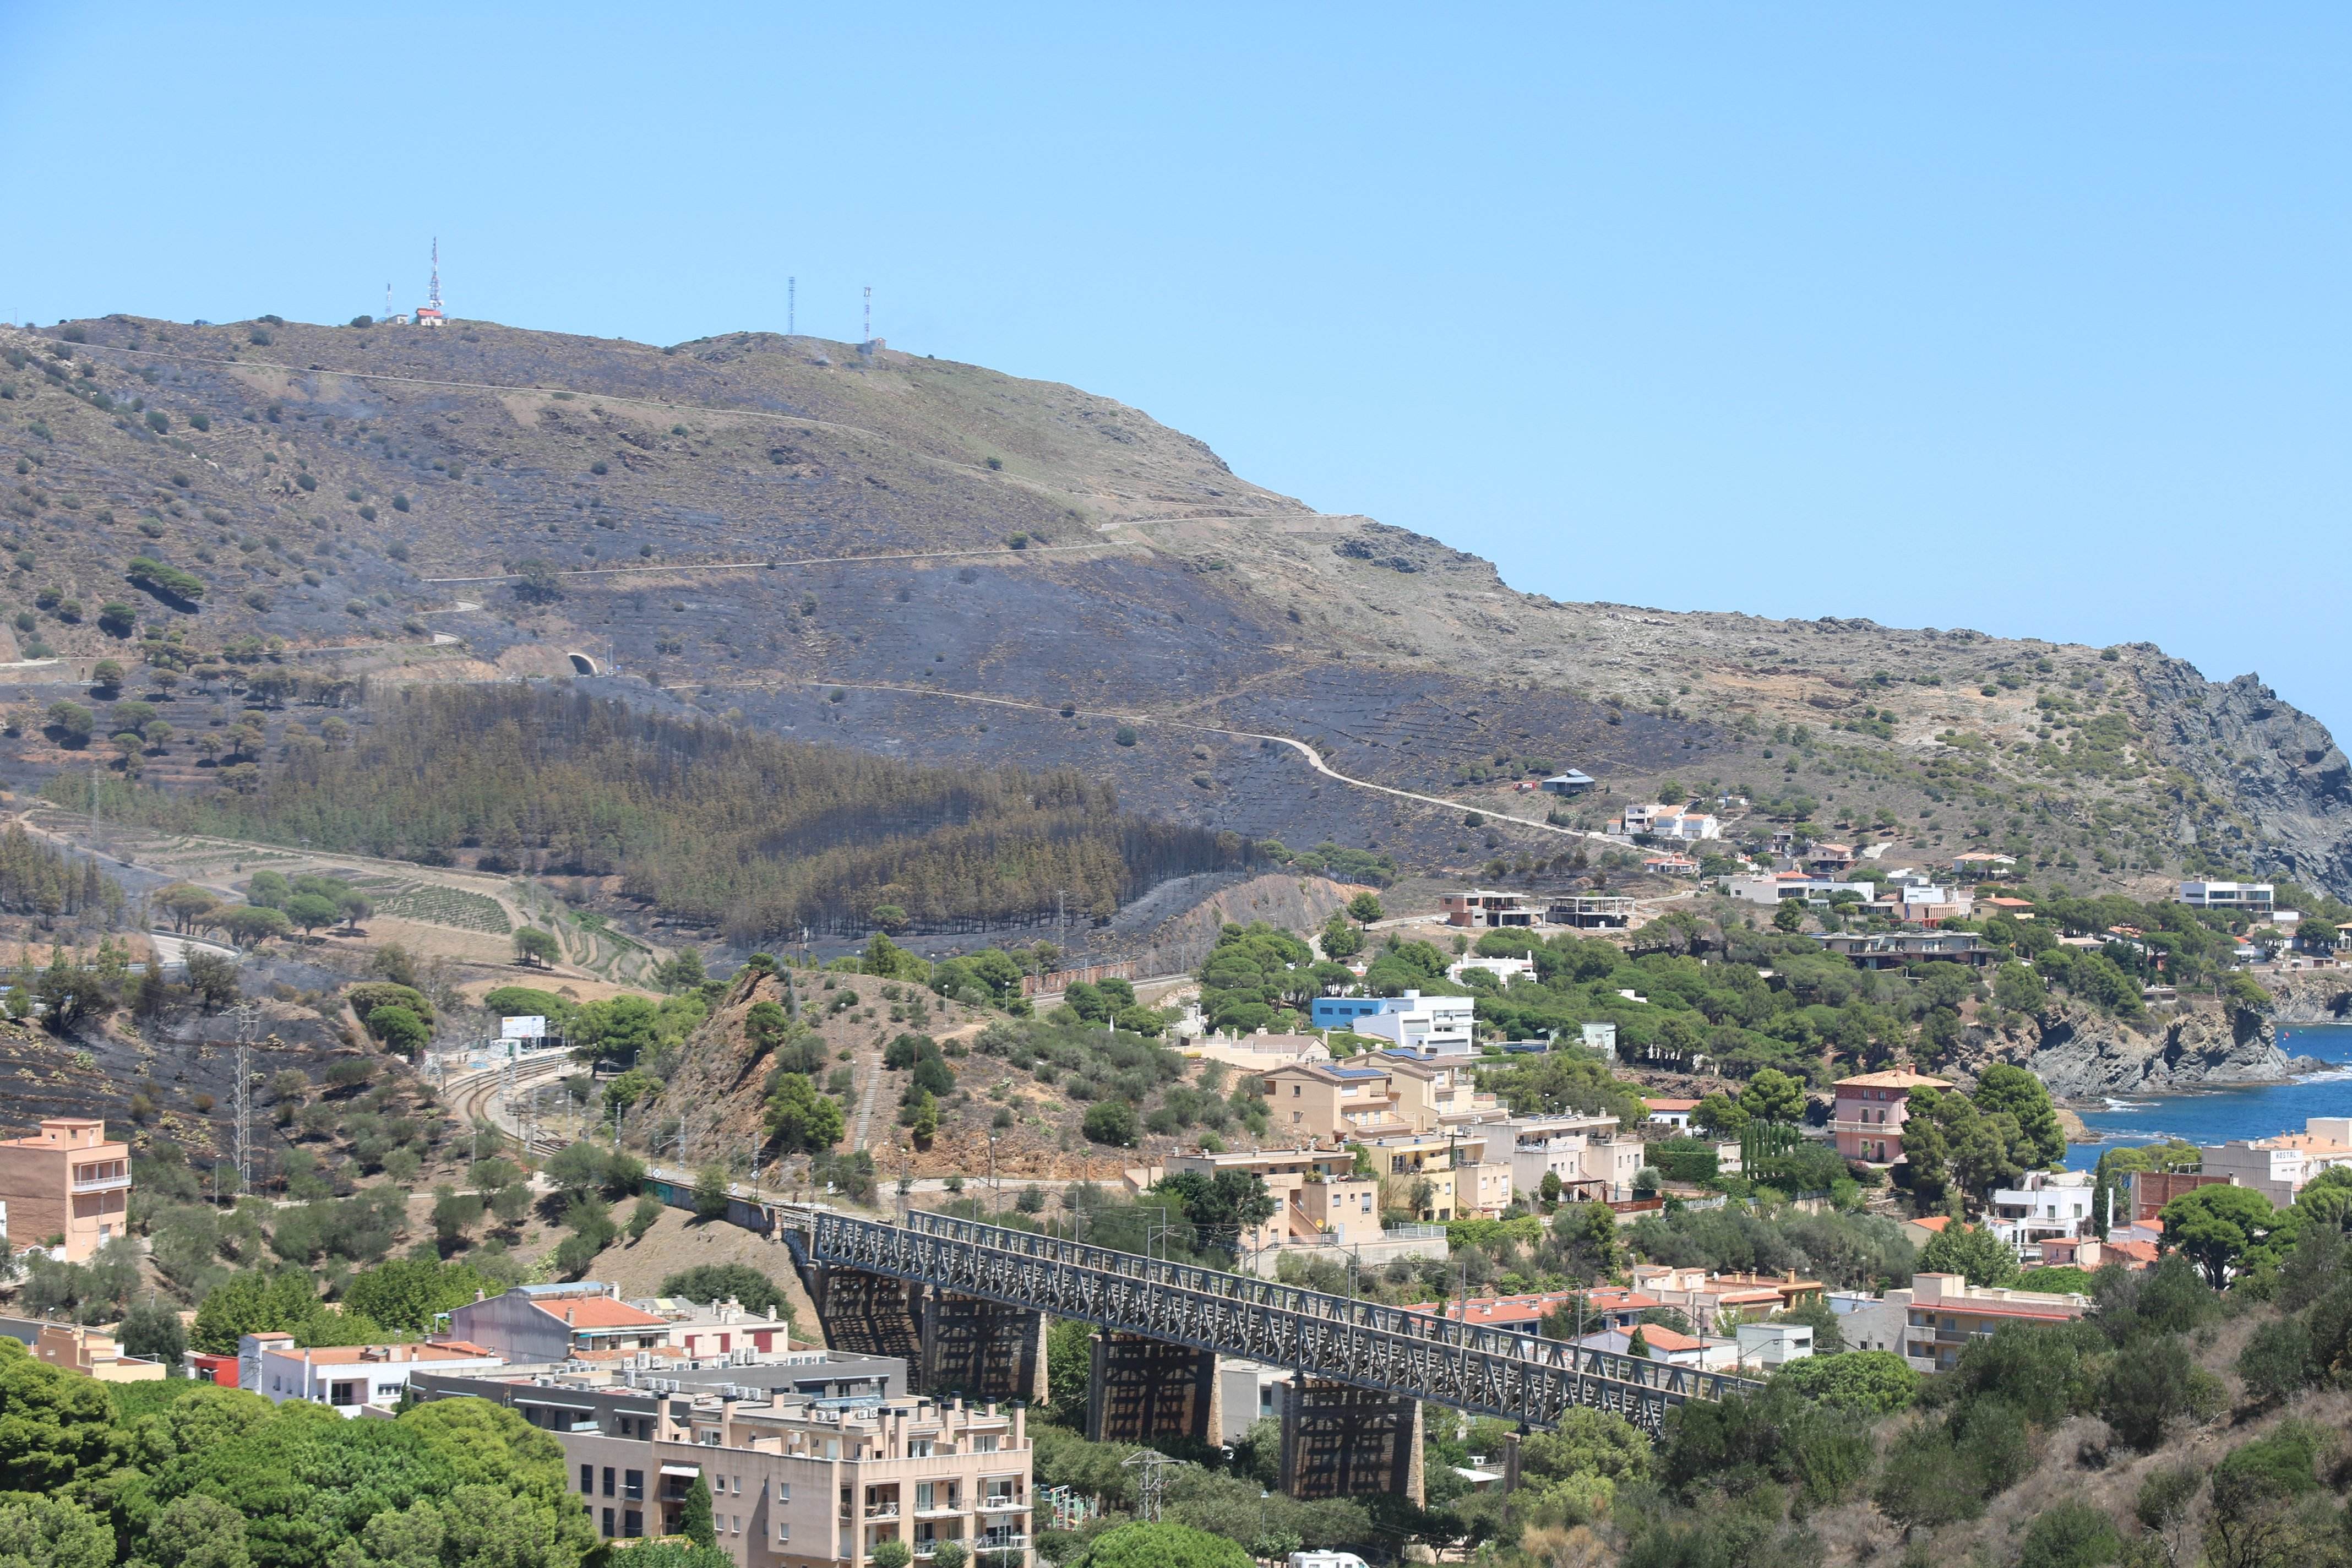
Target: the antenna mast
(434, 294)
(791, 307)
(245, 1014)
(866, 348)
(387, 302)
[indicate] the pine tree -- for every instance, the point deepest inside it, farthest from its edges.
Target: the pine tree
(694, 1520)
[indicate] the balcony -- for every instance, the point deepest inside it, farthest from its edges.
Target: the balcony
(883, 1511)
(102, 1184)
(1005, 1503)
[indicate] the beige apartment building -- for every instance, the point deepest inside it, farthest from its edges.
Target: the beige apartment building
(796, 1481)
(1371, 1097)
(1317, 1196)
(68, 1181)
(95, 1354)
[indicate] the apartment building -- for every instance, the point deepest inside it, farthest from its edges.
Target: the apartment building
(1319, 1196)
(1710, 1299)
(2280, 1167)
(94, 1352)
(1943, 1312)
(1424, 1026)
(1594, 1165)
(1870, 1109)
(587, 1320)
(1589, 912)
(2253, 898)
(1487, 908)
(67, 1183)
(796, 1481)
(347, 1379)
(1368, 1097)
(2051, 1205)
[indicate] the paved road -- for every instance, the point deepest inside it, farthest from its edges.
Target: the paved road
(1314, 758)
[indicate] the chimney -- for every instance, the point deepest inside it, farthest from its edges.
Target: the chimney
(567, 1317)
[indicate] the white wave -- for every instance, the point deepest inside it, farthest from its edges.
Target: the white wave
(2131, 1104)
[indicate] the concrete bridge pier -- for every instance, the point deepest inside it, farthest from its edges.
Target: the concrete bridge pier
(1142, 1388)
(1343, 1441)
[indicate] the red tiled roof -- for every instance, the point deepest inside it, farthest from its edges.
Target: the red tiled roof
(598, 1312)
(1672, 1104)
(1935, 1222)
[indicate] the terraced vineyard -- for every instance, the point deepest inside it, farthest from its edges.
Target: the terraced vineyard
(450, 906)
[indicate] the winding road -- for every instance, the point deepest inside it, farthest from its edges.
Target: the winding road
(1314, 758)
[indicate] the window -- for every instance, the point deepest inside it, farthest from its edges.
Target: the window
(984, 1445)
(783, 1530)
(587, 1479)
(633, 1485)
(608, 1521)
(918, 1448)
(608, 1483)
(633, 1524)
(784, 1491)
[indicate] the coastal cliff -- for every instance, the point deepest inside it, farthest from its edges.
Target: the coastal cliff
(2312, 996)
(2081, 1053)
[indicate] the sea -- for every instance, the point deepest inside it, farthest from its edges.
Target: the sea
(2219, 1115)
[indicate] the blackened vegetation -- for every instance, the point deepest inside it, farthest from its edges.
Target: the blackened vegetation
(38, 878)
(707, 824)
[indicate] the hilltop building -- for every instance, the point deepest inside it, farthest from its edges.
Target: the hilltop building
(67, 1181)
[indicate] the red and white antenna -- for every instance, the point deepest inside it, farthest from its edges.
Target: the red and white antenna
(433, 295)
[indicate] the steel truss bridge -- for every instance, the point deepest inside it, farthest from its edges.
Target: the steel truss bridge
(1482, 1370)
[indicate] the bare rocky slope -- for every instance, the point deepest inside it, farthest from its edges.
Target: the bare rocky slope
(793, 535)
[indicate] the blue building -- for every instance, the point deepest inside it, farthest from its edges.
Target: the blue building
(1341, 1012)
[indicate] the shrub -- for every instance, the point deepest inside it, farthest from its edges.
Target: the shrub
(1111, 1122)
(2070, 1535)
(163, 582)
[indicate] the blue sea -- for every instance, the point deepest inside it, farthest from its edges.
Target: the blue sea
(2216, 1116)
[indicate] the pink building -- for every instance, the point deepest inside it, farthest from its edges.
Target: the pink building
(1868, 1116)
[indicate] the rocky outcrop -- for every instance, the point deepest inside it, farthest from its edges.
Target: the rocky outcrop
(2287, 786)
(2084, 1054)
(2312, 996)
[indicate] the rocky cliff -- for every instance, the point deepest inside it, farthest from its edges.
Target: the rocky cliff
(2312, 996)
(2276, 787)
(2084, 1054)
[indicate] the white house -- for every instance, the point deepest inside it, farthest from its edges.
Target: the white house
(2053, 1205)
(2255, 897)
(346, 1378)
(1425, 1026)
(1503, 969)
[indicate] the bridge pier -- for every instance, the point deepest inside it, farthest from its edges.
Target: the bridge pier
(868, 1314)
(980, 1350)
(1342, 1441)
(950, 1343)
(1141, 1388)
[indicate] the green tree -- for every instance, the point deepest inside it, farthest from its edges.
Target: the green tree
(152, 1329)
(1112, 1121)
(407, 1294)
(1364, 909)
(1790, 917)
(311, 912)
(53, 1532)
(2070, 1534)
(399, 1029)
(694, 1521)
(1773, 1096)
(1871, 1383)
(54, 1426)
(643, 1215)
(197, 1532)
(252, 1303)
(2216, 1226)
(2276, 1361)
(1972, 1251)
(2018, 1093)
(710, 1192)
(1163, 1545)
(799, 1118)
(738, 1283)
(2019, 989)
(536, 948)
(1720, 1114)
(1340, 940)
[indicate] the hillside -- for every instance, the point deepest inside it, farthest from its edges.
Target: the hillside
(933, 561)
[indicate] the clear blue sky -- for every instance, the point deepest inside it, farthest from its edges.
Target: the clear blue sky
(2028, 319)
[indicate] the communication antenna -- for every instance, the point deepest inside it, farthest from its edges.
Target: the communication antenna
(866, 348)
(247, 1012)
(791, 307)
(387, 302)
(434, 294)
